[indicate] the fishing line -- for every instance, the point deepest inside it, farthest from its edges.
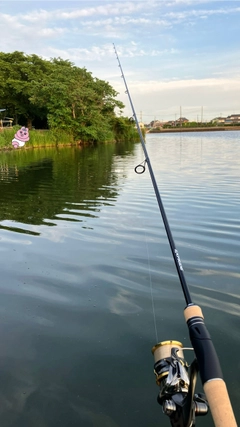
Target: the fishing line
(151, 289)
(177, 396)
(174, 250)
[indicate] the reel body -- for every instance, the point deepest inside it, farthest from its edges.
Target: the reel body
(177, 381)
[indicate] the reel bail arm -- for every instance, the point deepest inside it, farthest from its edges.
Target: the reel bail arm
(177, 385)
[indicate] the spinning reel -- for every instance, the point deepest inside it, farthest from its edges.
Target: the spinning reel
(175, 378)
(177, 381)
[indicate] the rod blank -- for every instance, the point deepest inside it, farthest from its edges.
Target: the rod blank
(174, 250)
(209, 366)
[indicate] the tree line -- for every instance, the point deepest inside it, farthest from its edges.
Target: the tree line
(56, 94)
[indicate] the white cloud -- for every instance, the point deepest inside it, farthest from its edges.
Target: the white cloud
(163, 99)
(50, 32)
(108, 9)
(117, 21)
(173, 3)
(37, 16)
(153, 86)
(163, 70)
(201, 13)
(104, 52)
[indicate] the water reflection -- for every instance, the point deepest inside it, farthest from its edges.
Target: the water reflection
(81, 240)
(68, 184)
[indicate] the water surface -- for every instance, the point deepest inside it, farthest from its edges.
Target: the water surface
(82, 245)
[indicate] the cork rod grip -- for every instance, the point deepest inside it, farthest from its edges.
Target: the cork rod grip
(192, 311)
(219, 403)
(209, 368)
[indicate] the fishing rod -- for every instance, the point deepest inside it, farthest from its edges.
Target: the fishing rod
(174, 377)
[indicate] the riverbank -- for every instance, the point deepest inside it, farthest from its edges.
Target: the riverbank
(196, 129)
(38, 138)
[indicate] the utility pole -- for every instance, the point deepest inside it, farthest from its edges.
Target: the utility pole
(201, 115)
(180, 116)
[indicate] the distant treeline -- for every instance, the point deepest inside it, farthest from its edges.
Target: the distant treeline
(59, 96)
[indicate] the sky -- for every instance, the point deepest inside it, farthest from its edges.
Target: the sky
(178, 56)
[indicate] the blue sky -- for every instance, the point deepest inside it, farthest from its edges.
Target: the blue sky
(174, 53)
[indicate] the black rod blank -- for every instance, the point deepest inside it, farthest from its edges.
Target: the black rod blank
(174, 250)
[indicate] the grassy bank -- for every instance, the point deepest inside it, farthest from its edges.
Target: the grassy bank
(37, 138)
(123, 131)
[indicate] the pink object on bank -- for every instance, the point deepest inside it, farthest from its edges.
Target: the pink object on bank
(21, 136)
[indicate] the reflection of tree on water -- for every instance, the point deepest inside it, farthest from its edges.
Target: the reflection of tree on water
(37, 189)
(21, 197)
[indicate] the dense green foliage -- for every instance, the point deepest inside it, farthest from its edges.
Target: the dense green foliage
(191, 125)
(56, 94)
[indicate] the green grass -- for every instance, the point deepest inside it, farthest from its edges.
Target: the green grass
(6, 136)
(51, 138)
(37, 138)
(43, 138)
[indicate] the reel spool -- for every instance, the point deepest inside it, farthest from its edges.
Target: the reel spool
(177, 380)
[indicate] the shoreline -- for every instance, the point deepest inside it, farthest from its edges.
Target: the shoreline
(198, 129)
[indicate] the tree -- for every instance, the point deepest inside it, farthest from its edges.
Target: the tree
(61, 95)
(17, 72)
(77, 102)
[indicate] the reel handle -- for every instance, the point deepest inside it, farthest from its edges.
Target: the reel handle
(210, 370)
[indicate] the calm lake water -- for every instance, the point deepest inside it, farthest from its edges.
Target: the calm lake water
(81, 244)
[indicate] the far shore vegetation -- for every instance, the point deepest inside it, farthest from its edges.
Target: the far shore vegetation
(193, 127)
(59, 103)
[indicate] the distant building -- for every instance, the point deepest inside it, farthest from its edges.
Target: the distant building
(156, 124)
(219, 120)
(181, 120)
(232, 119)
(229, 120)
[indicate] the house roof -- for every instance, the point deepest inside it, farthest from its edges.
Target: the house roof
(182, 119)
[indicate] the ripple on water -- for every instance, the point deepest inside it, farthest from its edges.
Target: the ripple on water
(84, 250)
